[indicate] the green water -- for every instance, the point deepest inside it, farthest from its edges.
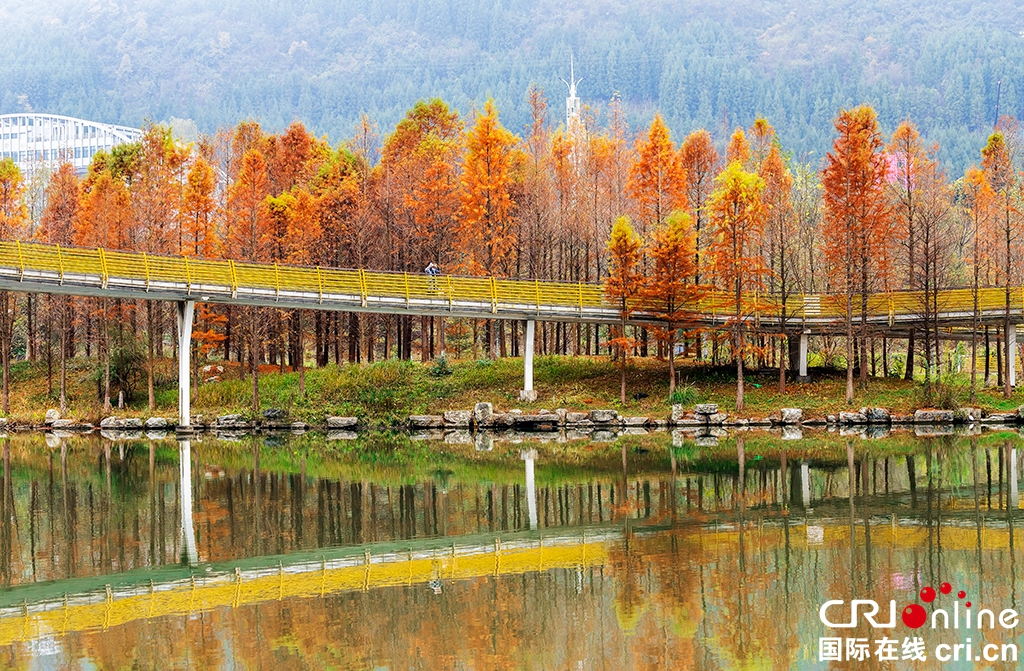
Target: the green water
(645, 553)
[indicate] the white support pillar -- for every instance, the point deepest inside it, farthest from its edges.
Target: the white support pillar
(804, 338)
(528, 394)
(531, 492)
(805, 483)
(186, 312)
(1011, 349)
(188, 533)
(1012, 468)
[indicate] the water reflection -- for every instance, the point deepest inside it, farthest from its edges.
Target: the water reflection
(630, 555)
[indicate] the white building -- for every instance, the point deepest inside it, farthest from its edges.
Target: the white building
(34, 140)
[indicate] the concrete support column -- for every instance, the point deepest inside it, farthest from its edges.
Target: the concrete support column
(804, 338)
(805, 483)
(528, 394)
(1012, 479)
(186, 312)
(189, 554)
(1011, 353)
(531, 492)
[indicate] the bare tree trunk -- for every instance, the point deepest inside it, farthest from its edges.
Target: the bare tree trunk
(63, 357)
(300, 355)
(150, 328)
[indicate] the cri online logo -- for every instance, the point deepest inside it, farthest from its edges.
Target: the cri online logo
(914, 615)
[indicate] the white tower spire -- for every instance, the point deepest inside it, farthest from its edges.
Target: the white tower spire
(572, 103)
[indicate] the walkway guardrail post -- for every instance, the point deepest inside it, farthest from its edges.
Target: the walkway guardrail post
(234, 279)
(103, 268)
(60, 265)
(21, 261)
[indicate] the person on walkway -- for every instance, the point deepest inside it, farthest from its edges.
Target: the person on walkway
(434, 271)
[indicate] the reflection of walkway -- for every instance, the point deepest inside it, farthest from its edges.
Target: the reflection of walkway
(304, 578)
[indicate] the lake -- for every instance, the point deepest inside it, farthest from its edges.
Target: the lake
(522, 552)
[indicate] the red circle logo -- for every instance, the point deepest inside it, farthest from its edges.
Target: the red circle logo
(928, 594)
(914, 615)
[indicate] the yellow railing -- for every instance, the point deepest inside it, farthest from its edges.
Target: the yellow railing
(202, 594)
(484, 294)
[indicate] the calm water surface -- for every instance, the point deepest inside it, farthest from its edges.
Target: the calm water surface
(387, 553)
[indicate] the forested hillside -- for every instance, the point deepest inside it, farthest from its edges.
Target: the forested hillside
(704, 64)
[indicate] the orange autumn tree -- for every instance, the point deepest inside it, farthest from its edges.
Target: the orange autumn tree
(623, 285)
(671, 291)
(250, 240)
(997, 164)
(657, 179)
(486, 216)
(978, 203)
(780, 229)
(737, 216)
(57, 227)
(13, 221)
(700, 161)
(102, 222)
(856, 226)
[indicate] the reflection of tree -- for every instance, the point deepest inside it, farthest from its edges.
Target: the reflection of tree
(628, 566)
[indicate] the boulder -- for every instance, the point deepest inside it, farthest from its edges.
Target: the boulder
(717, 418)
(876, 415)
(342, 422)
(576, 417)
(933, 416)
(706, 409)
(61, 424)
(901, 419)
(484, 442)
(229, 420)
(458, 418)
(635, 421)
(156, 423)
(52, 415)
(426, 421)
(1000, 418)
(110, 423)
(791, 432)
(131, 423)
(274, 414)
(462, 437)
(967, 415)
(603, 416)
(791, 415)
(3, 422)
(482, 413)
(501, 420)
(852, 418)
(562, 414)
(678, 413)
(298, 427)
(876, 431)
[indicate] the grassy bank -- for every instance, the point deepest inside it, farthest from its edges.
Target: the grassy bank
(387, 392)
